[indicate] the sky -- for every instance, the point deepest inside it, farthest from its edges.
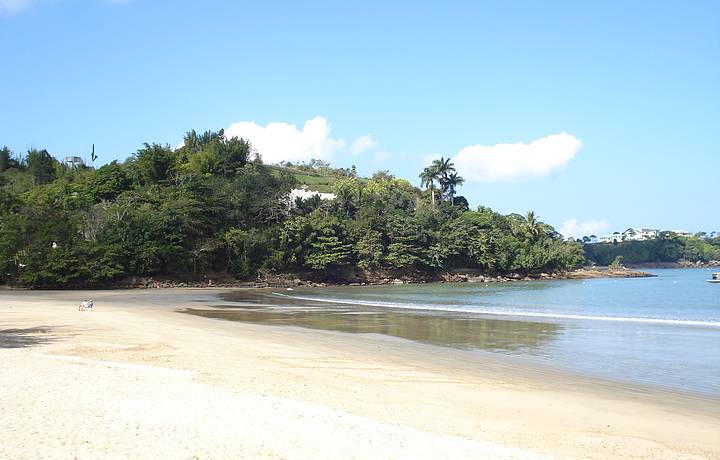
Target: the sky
(596, 115)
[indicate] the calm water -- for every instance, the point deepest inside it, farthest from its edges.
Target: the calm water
(662, 331)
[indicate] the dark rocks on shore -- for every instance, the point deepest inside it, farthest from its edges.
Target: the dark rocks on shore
(362, 279)
(359, 278)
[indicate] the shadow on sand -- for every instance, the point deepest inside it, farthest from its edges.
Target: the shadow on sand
(28, 337)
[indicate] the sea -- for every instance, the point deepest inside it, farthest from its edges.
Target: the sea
(662, 331)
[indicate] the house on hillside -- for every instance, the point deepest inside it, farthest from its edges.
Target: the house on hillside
(683, 233)
(648, 233)
(303, 193)
(629, 235)
(616, 237)
(641, 234)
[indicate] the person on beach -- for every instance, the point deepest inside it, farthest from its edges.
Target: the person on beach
(83, 305)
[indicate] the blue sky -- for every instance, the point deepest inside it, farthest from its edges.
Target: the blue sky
(634, 85)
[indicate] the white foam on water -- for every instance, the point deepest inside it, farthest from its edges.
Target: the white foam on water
(518, 313)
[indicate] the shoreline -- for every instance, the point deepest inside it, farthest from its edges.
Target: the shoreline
(283, 280)
(680, 264)
(371, 392)
(521, 337)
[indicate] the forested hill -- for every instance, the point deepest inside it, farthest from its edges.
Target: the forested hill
(212, 206)
(668, 248)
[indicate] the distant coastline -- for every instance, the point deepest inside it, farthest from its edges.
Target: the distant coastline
(679, 264)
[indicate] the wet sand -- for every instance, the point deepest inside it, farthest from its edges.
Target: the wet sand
(454, 330)
(136, 378)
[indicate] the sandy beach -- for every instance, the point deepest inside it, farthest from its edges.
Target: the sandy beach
(137, 379)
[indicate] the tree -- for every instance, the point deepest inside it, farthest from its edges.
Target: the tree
(369, 248)
(305, 206)
(108, 182)
(5, 158)
(211, 205)
(41, 166)
(444, 167)
(451, 183)
(407, 243)
(329, 246)
(233, 155)
(155, 162)
(533, 226)
(616, 263)
(428, 178)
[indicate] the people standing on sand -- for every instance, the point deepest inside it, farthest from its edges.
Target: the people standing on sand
(83, 305)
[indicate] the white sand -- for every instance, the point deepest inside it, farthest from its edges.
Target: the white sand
(135, 379)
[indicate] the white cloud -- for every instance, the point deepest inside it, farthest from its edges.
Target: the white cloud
(363, 144)
(12, 6)
(505, 162)
(283, 141)
(571, 228)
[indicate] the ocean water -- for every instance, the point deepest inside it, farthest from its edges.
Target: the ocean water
(662, 331)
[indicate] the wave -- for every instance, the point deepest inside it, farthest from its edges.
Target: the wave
(515, 313)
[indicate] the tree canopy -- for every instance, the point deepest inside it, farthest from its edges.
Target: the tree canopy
(211, 205)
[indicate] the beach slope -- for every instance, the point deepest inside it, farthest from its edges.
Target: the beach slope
(135, 378)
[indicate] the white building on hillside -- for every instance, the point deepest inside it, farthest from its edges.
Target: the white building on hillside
(639, 234)
(304, 194)
(74, 162)
(647, 233)
(616, 237)
(631, 234)
(684, 233)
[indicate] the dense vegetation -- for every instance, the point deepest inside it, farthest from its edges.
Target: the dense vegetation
(213, 206)
(669, 247)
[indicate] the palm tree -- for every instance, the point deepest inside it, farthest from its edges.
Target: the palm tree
(451, 183)
(443, 166)
(346, 199)
(533, 226)
(428, 178)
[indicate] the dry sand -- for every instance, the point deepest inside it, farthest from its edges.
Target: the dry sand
(136, 379)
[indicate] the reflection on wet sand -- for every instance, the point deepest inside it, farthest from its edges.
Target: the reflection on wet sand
(451, 329)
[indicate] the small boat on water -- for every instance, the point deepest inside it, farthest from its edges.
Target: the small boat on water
(715, 278)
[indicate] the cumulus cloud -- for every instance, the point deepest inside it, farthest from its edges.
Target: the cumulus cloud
(284, 141)
(575, 229)
(506, 162)
(363, 144)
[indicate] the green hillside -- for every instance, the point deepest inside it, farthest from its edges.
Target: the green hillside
(212, 207)
(316, 180)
